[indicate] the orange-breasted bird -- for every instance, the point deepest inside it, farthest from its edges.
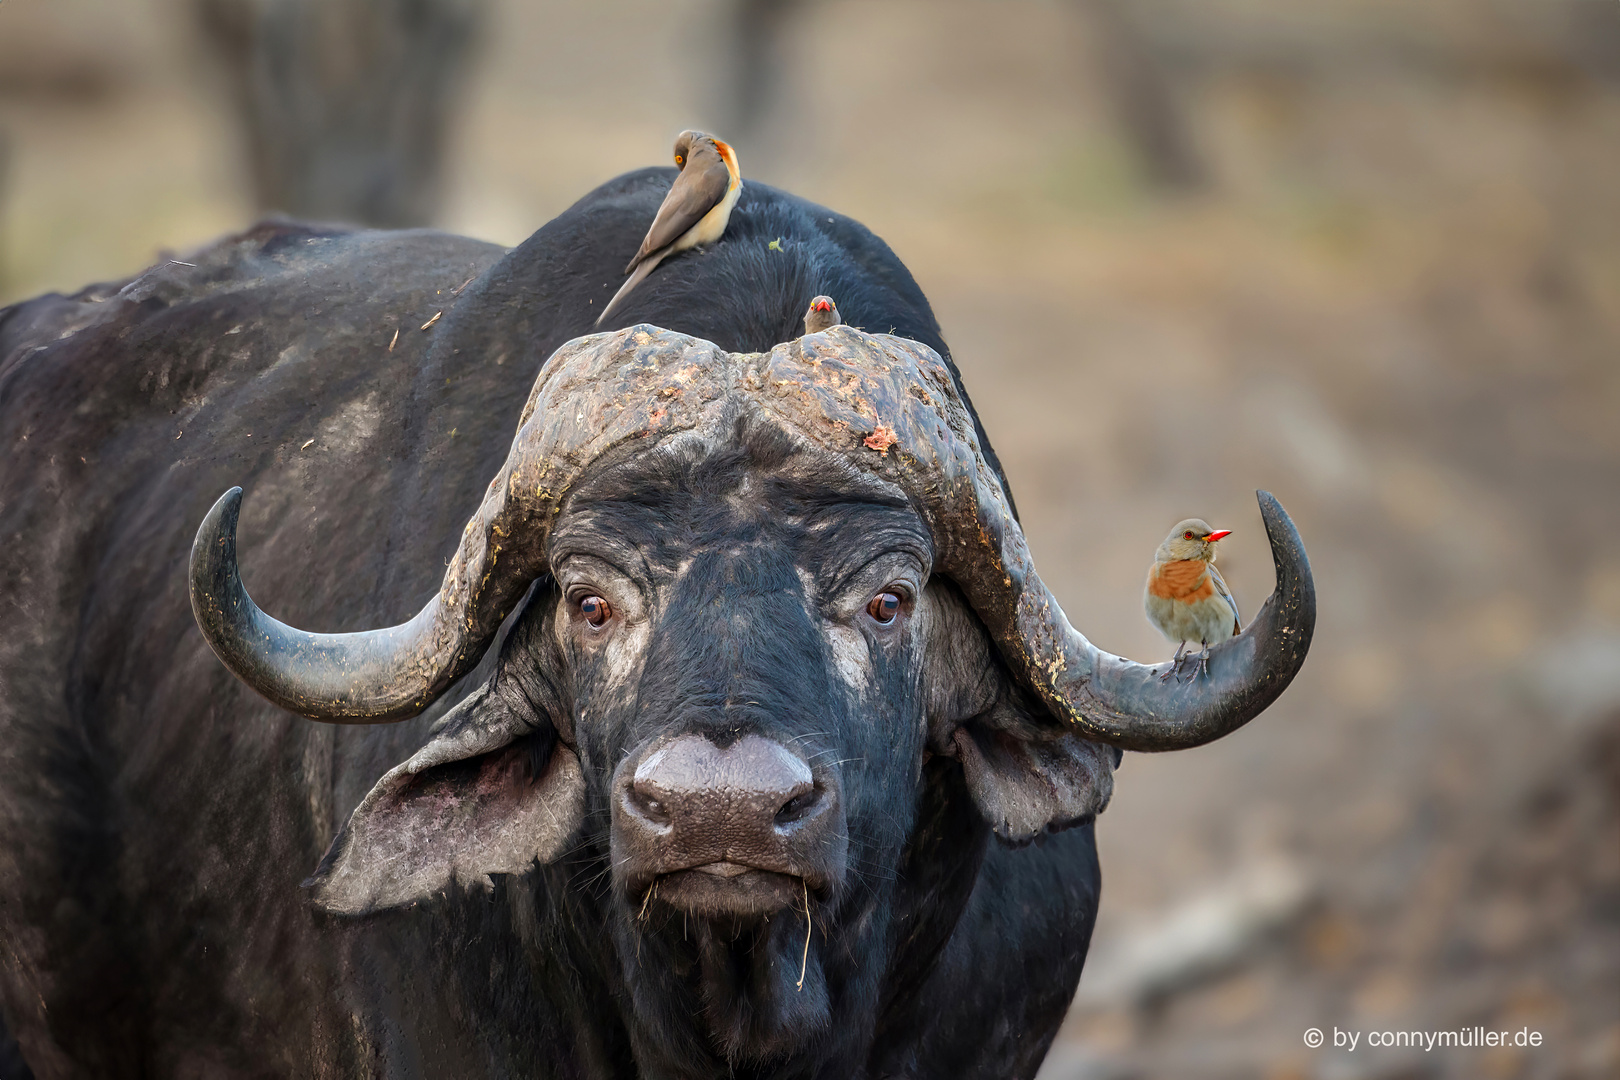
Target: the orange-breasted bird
(1185, 598)
(694, 212)
(823, 313)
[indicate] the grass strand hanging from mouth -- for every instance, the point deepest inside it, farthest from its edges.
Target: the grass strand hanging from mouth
(804, 961)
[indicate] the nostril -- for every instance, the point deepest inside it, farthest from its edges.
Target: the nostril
(797, 807)
(649, 805)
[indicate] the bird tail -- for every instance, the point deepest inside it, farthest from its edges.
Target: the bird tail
(640, 272)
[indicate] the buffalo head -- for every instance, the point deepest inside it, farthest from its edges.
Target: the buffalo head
(755, 594)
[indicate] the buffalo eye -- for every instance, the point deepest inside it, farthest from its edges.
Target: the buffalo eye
(595, 610)
(884, 608)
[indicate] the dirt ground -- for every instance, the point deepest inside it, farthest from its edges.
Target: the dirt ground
(1393, 301)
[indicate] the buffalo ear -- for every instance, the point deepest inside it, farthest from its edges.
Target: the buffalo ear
(494, 792)
(1028, 773)
(1026, 786)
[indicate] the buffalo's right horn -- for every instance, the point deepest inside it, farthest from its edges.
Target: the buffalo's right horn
(1121, 702)
(891, 407)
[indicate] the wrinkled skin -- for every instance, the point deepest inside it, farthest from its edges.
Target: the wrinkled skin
(158, 817)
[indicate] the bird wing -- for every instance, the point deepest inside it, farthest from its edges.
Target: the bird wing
(697, 190)
(1226, 594)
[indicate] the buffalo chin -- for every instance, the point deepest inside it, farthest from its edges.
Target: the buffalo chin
(748, 978)
(718, 890)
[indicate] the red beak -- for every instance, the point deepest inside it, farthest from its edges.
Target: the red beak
(1217, 534)
(823, 306)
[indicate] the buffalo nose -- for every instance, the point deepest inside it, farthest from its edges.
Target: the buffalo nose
(736, 795)
(748, 820)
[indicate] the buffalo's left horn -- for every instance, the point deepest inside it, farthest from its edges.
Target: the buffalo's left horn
(590, 396)
(369, 677)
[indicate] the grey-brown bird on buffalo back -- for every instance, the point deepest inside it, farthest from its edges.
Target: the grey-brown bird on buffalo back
(694, 212)
(822, 314)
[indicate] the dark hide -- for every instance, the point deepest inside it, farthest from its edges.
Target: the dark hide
(157, 818)
(737, 647)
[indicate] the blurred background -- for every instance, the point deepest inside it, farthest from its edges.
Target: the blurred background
(1362, 253)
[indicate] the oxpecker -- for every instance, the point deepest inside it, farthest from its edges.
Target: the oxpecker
(822, 314)
(694, 212)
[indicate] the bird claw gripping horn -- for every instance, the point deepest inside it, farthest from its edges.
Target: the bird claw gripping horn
(886, 407)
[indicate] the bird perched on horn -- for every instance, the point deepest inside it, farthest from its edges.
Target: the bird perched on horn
(695, 211)
(1186, 599)
(822, 314)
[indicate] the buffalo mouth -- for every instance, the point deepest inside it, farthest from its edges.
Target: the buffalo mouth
(743, 829)
(725, 888)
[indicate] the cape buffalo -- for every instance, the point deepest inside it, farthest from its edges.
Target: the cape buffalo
(738, 735)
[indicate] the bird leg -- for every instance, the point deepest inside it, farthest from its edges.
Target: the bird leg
(1175, 664)
(1203, 662)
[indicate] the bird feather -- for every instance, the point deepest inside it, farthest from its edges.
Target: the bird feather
(1226, 594)
(646, 267)
(698, 189)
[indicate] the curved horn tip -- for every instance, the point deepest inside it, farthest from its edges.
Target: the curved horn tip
(213, 552)
(1279, 526)
(219, 523)
(227, 509)
(1287, 551)
(1276, 518)
(1245, 674)
(1292, 605)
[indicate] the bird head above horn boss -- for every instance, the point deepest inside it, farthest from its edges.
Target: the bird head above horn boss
(883, 408)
